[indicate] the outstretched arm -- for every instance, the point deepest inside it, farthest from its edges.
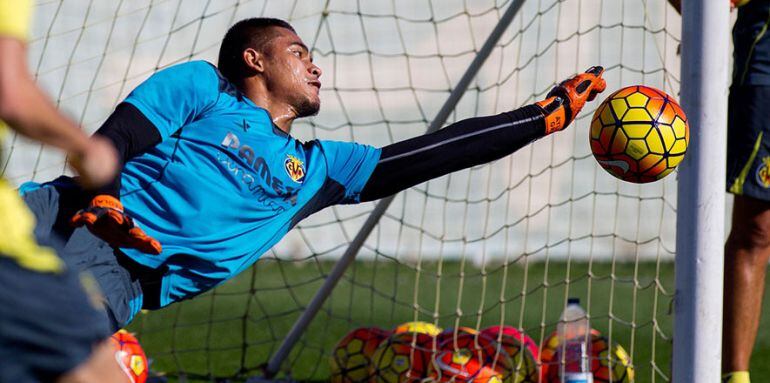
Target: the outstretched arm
(27, 110)
(458, 146)
(479, 140)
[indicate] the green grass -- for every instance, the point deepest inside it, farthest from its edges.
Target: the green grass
(235, 329)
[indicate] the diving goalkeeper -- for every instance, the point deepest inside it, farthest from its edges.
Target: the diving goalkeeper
(212, 179)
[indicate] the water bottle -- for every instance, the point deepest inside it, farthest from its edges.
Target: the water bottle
(574, 343)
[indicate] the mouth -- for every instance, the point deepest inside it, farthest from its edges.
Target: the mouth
(315, 83)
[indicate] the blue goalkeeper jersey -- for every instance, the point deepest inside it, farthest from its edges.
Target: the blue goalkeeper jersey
(225, 184)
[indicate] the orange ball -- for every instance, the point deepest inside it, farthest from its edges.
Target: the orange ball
(353, 354)
(639, 134)
(466, 355)
(522, 349)
(130, 355)
(402, 357)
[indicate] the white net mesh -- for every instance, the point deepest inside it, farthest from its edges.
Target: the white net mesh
(500, 243)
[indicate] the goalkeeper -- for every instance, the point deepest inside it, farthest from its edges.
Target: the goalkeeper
(212, 174)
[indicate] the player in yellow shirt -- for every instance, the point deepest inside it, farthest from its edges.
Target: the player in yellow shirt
(49, 329)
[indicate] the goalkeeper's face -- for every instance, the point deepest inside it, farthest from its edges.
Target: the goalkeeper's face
(290, 74)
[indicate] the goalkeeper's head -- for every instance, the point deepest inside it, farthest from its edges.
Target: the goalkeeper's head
(266, 60)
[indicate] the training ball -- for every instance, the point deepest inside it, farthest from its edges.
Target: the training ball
(639, 134)
(352, 356)
(418, 327)
(522, 349)
(466, 355)
(130, 356)
(402, 357)
(609, 362)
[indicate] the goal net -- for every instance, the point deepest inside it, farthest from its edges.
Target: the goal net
(502, 243)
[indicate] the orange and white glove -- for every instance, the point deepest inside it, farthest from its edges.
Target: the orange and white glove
(105, 218)
(564, 102)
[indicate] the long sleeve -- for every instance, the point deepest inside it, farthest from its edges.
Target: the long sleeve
(461, 145)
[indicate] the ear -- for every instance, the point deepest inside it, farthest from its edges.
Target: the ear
(254, 60)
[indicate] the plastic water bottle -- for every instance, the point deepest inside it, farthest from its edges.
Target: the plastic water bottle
(574, 331)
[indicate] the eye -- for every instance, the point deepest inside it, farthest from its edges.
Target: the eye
(297, 53)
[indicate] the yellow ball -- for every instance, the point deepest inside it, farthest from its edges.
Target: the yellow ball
(351, 358)
(639, 134)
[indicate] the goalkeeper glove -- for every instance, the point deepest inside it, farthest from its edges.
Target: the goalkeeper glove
(563, 102)
(106, 219)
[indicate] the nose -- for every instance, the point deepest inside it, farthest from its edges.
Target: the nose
(315, 70)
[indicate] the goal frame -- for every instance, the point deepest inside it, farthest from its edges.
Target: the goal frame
(700, 225)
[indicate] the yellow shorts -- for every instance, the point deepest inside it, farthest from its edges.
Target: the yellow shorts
(17, 240)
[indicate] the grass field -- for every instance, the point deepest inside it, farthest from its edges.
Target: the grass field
(235, 329)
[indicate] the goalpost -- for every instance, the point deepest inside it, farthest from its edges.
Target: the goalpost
(502, 243)
(701, 194)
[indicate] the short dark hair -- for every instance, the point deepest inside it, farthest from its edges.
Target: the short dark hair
(248, 33)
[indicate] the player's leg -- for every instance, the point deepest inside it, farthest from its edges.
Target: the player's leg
(50, 327)
(748, 247)
(50, 317)
(747, 252)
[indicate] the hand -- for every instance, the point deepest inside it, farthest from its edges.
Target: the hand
(97, 165)
(564, 102)
(105, 218)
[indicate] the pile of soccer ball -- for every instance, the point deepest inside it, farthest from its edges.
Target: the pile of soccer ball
(419, 351)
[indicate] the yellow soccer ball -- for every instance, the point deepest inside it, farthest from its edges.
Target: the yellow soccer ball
(639, 134)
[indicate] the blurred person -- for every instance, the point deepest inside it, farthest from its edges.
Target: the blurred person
(213, 175)
(747, 250)
(50, 325)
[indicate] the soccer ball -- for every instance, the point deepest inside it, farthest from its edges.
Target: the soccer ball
(522, 349)
(614, 363)
(418, 327)
(466, 355)
(462, 365)
(402, 357)
(353, 354)
(609, 363)
(130, 355)
(639, 134)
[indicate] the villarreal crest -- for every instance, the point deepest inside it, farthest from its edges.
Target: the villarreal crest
(294, 168)
(763, 173)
